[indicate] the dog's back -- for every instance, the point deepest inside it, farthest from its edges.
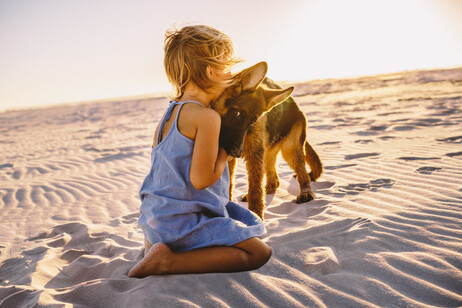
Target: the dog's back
(282, 121)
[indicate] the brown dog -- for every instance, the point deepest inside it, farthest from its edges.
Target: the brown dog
(259, 119)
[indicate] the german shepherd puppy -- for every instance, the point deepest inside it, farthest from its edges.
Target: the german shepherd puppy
(259, 119)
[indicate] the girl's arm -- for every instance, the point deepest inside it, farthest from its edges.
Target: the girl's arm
(208, 159)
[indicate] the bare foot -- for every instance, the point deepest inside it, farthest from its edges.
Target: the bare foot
(153, 263)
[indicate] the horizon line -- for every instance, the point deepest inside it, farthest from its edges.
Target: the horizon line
(161, 94)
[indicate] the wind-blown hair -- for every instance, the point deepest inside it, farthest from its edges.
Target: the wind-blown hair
(188, 53)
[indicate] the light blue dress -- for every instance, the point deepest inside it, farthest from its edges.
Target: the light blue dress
(175, 213)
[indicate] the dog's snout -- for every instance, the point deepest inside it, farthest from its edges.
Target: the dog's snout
(237, 153)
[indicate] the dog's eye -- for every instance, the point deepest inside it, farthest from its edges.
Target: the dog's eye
(237, 114)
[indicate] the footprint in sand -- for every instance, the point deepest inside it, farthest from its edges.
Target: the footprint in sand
(329, 143)
(417, 158)
(7, 165)
(18, 271)
(90, 148)
(454, 154)
(118, 156)
(356, 188)
(127, 219)
(427, 170)
(387, 137)
(17, 174)
(131, 218)
(378, 127)
(321, 260)
(366, 133)
(455, 139)
(364, 141)
(360, 155)
(404, 128)
(339, 166)
(76, 253)
(303, 212)
(382, 183)
(429, 122)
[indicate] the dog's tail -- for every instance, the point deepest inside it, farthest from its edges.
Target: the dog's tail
(313, 160)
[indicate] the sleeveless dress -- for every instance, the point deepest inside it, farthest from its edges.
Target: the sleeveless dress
(175, 213)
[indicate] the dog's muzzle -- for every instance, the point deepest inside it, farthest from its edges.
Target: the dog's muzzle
(237, 153)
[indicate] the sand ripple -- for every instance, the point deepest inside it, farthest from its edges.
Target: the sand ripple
(385, 229)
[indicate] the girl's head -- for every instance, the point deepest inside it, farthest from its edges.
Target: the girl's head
(199, 54)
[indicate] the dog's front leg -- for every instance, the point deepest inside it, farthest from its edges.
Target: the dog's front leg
(231, 168)
(255, 171)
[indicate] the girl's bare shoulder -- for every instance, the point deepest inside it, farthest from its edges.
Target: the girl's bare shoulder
(197, 115)
(193, 117)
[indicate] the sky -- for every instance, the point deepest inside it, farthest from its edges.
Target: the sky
(60, 51)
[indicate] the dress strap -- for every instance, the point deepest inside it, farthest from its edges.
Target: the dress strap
(167, 116)
(181, 106)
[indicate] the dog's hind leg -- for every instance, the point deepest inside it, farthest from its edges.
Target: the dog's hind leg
(272, 178)
(294, 154)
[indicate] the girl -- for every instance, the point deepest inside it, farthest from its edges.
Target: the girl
(189, 224)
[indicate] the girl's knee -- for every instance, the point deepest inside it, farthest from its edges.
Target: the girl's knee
(266, 254)
(257, 253)
(260, 257)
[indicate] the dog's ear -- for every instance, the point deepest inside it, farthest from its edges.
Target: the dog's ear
(274, 97)
(253, 76)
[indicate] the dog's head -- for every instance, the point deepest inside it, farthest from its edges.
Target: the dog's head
(243, 103)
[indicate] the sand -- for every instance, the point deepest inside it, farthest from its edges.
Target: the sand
(385, 229)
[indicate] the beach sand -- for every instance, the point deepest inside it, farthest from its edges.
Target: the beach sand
(385, 229)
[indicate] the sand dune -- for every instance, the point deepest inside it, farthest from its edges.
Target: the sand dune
(385, 229)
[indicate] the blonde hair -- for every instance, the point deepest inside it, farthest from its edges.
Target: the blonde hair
(188, 53)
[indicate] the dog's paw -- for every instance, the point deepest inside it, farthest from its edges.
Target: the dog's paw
(244, 198)
(271, 189)
(305, 197)
(313, 178)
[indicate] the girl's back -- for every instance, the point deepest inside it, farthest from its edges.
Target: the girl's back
(167, 191)
(171, 159)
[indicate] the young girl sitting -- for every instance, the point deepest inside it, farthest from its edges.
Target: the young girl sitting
(190, 226)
